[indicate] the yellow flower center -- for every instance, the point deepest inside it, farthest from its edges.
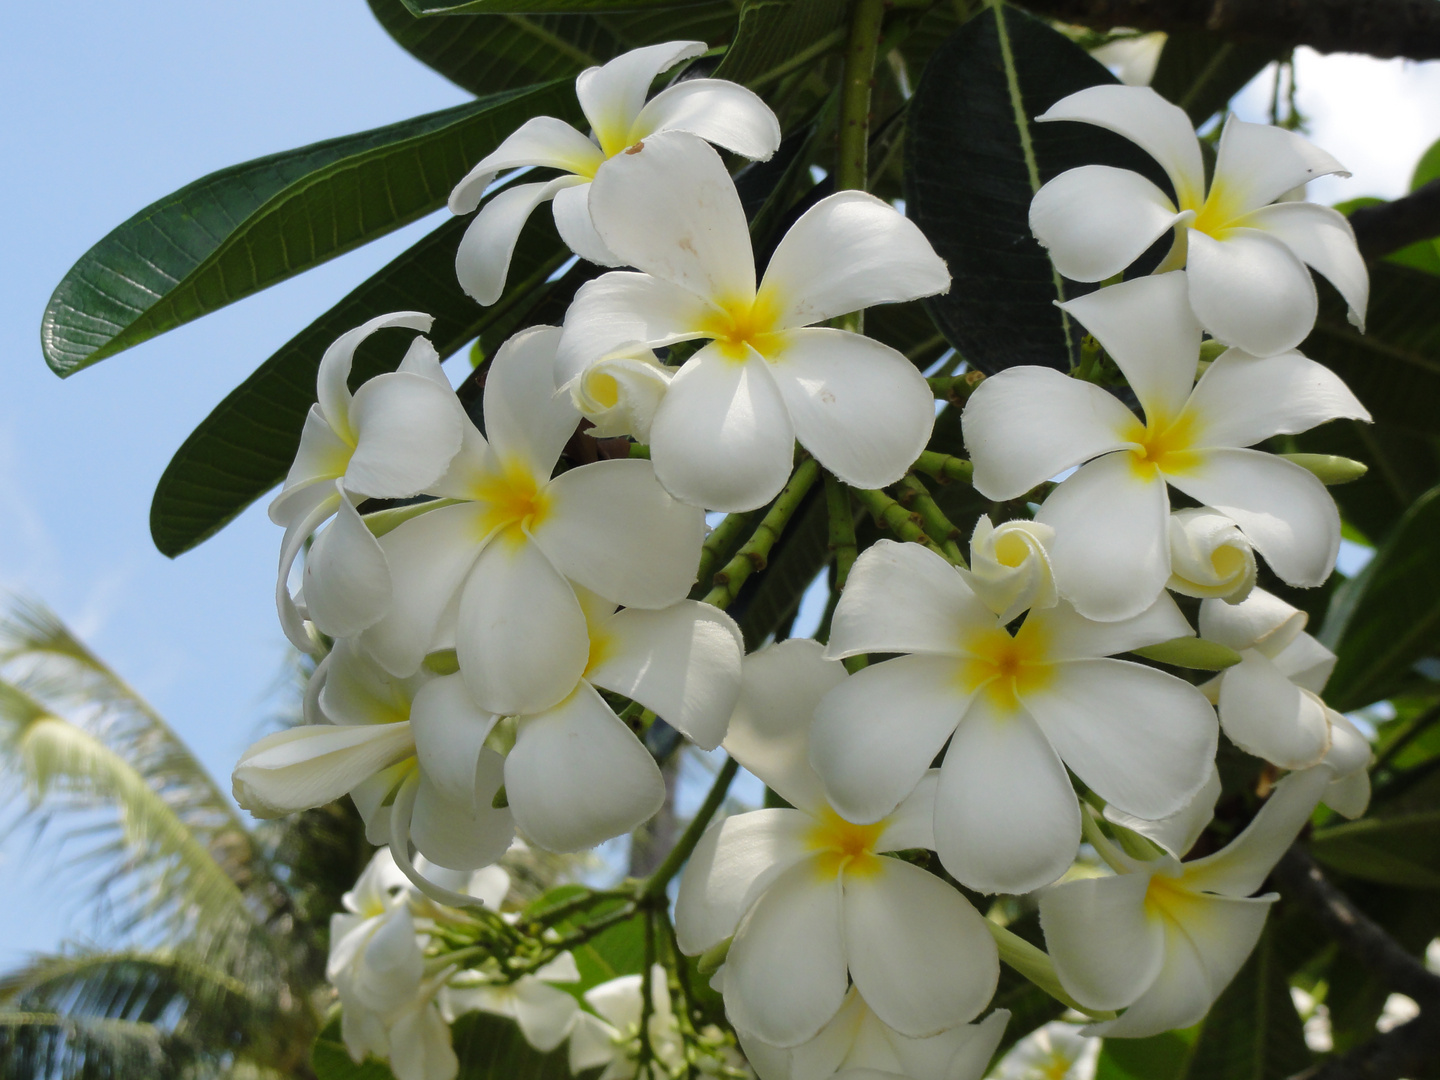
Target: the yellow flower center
(513, 502)
(1011, 549)
(1006, 667)
(1163, 446)
(1217, 215)
(844, 846)
(741, 325)
(602, 647)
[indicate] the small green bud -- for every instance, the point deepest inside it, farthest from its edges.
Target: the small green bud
(501, 799)
(1191, 652)
(444, 662)
(711, 959)
(1332, 469)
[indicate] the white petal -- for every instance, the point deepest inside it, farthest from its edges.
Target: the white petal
(620, 394)
(1144, 117)
(735, 861)
(1349, 750)
(1250, 290)
(1179, 996)
(621, 309)
(1111, 552)
(1323, 239)
(962, 1053)
(781, 685)
(904, 598)
(545, 1014)
(682, 663)
(320, 508)
(1028, 424)
(525, 418)
(521, 637)
(618, 1001)
(1265, 714)
(332, 379)
(578, 775)
(1006, 819)
(847, 252)
(1305, 662)
(314, 764)
(450, 731)
(919, 953)
(572, 219)
(860, 407)
(785, 972)
(1176, 833)
(429, 557)
(347, 579)
(613, 529)
(1349, 796)
(612, 96)
(1141, 739)
(1283, 509)
(875, 734)
(420, 1047)
(1096, 220)
(541, 140)
(718, 111)
(422, 359)
(668, 207)
(1149, 331)
(592, 1043)
(1068, 635)
(482, 259)
(912, 825)
(723, 438)
(321, 456)
(1261, 621)
(1257, 163)
(407, 430)
(1106, 949)
(464, 833)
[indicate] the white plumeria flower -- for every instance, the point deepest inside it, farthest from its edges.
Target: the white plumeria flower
(389, 440)
(611, 1036)
(421, 1045)
(1009, 567)
(1028, 705)
(858, 1040)
(613, 100)
(1209, 556)
(809, 895)
(724, 435)
(377, 725)
(1270, 703)
(1244, 253)
(544, 1013)
(1165, 937)
(492, 572)
(1111, 551)
(1053, 1052)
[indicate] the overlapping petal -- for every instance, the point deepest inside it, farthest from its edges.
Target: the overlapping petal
(482, 259)
(1250, 290)
(346, 577)
(314, 764)
(1107, 949)
(1096, 220)
(716, 110)
(1242, 400)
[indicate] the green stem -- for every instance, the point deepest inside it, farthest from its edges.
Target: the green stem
(753, 553)
(852, 168)
(891, 515)
(940, 528)
(560, 912)
(1036, 965)
(955, 389)
(647, 996)
(721, 542)
(944, 467)
(655, 887)
(1103, 845)
(842, 528)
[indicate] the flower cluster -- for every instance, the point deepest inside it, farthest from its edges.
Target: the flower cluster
(501, 605)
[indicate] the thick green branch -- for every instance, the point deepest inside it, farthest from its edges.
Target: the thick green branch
(914, 496)
(841, 528)
(944, 468)
(753, 553)
(889, 514)
(723, 539)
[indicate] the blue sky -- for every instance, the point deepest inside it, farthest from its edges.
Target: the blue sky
(110, 106)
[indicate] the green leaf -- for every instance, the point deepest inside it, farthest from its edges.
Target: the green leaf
(974, 159)
(247, 227)
(1201, 71)
(492, 1048)
(1427, 168)
(1160, 1057)
(523, 7)
(1252, 1032)
(1402, 468)
(775, 34)
(244, 447)
(1390, 616)
(1397, 842)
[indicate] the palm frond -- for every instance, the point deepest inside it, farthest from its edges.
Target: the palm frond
(48, 1046)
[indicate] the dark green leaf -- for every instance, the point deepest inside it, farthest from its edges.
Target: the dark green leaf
(1396, 843)
(974, 159)
(1390, 616)
(244, 447)
(1201, 71)
(523, 7)
(492, 1048)
(1160, 1057)
(775, 34)
(247, 227)
(1403, 467)
(1427, 168)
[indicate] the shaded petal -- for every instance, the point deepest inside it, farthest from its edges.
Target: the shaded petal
(346, 578)
(1141, 115)
(912, 825)
(875, 734)
(1267, 715)
(592, 1043)
(420, 1046)
(541, 140)
(1096, 220)
(847, 252)
(577, 775)
(904, 598)
(291, 621)
(524, 417)
(1323, 239)
(622, 308)
(572, 220)
(1242, 399)
(450, 732)
(718, 111)
(1257, 163)
(612, 528)
(1250, 290)
(1209, 556)
(667, 206)
(1028, 424)
(962, 1053)
(1068, 635)
(1349, 796)
(321, 456)
(464, 833)
(1149, 331)
(1285, 512)
(1176, 833)
(785, 972)
(521, 637)
(545, 1014)
(407, 430)
(682, 663)
(1006, 819)
(1111, 552)
(1106, 948)
(1305, 662)
(313, 764)
(332, 381)
(919, 953)
(1179, 995)
(613, 95)
(860, 407)
(1261, 621)
(1143, 740)
(482, 259)
(734, 862)
(722, 438)
(781, 685)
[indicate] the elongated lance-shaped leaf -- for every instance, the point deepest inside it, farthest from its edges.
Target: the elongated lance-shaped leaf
(247, 227)
(772, 37)
(525, 7)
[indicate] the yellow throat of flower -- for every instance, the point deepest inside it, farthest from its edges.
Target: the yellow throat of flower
(1164, 445)
(743, 324)
(842, 846)
(513, 502)
(1006, 668)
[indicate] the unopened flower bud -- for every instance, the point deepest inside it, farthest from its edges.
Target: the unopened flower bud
(620, 394)
(1209, 556)
(1010, 567)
